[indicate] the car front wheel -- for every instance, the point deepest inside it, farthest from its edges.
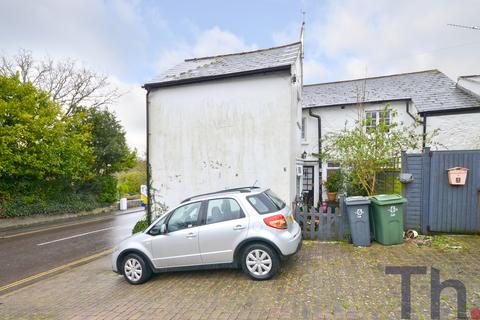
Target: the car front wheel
(260, 262)
(135, 269)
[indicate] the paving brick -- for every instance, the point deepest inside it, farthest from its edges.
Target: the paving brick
(324, 281)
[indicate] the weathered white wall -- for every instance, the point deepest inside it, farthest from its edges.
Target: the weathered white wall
(296, 114)
(470, 84)
(456, 132)
(221, 134)
(460, 131)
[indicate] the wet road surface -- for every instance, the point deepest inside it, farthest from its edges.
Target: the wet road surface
(28, 254)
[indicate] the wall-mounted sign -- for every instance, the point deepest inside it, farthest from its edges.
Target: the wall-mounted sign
(144, 195)
(457, 176)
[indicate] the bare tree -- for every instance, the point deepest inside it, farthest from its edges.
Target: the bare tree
(66, 83)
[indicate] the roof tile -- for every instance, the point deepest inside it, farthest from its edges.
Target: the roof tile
(430, 90)
(231, 63)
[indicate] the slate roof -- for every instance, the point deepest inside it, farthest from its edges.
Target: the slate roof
(430, 91)
(230, 64)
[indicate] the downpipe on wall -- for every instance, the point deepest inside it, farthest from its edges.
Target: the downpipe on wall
(319, 131)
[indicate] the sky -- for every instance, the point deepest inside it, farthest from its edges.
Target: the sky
(133, 40)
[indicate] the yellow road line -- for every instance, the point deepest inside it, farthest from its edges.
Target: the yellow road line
(62, 267)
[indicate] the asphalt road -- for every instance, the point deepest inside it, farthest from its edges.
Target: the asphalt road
(25, 255)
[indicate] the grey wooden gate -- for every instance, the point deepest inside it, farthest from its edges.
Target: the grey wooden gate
(437, 205)
(317, 225)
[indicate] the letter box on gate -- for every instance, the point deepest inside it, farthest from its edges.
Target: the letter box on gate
(457, 176)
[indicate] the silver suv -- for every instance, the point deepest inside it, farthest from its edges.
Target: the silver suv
(247, 227)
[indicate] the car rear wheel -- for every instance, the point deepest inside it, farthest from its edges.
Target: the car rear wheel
(260, 262)
(135, 269)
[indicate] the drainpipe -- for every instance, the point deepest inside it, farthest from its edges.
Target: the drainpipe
(319, 130)
(424, 123)
(149, 198)
(409, 113)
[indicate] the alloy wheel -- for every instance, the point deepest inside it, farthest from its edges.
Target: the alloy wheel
(259, 262)
(133, 269)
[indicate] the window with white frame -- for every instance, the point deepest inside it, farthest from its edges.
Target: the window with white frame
(304, 128)
(374, 118)
(332, 168)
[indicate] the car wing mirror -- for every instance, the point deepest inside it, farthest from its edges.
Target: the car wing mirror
(163, 229)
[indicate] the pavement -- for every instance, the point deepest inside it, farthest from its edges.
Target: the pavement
(29, 252)
(324, 281)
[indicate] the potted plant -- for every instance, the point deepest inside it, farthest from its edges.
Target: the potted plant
(333, 185)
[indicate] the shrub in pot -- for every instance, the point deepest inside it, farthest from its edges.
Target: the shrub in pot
(333, 185)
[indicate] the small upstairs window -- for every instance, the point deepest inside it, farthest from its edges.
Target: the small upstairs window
(374, 118)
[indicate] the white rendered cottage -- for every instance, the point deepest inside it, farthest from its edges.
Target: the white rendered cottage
(437, 101)
(226, 121)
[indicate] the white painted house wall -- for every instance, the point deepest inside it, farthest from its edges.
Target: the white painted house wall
(335, 119)
(227, 133)
(456, 131)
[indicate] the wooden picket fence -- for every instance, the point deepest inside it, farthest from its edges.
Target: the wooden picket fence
(329, 226)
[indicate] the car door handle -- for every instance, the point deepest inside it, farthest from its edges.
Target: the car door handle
(191, 235)
(239, 227)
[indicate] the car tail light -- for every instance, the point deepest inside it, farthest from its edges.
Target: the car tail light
(277, 221)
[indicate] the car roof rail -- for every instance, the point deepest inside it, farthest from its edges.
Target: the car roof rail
(240, 189)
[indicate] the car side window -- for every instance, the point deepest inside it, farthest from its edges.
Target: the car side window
(184, 217)
(219, 210)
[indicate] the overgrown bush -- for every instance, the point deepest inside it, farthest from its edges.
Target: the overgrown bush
(106, 187)
(129, 182)
(29, 197)
(54, 204)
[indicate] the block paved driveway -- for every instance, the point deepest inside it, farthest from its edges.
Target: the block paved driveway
(325, 281)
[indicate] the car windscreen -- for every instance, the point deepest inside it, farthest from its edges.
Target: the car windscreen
(264, 204)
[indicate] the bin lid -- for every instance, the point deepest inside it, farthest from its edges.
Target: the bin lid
(383, 199)
(351, 201)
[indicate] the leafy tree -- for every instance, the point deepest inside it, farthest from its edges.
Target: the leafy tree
(364, 151)
(106, 188)
(108, 142)
(64, 81)
(129, 182)
(34, 140)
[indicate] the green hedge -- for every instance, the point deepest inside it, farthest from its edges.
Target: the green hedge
(61, 204)
(31, 197)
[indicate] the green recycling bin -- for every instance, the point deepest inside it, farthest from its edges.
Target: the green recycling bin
(386, 217)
